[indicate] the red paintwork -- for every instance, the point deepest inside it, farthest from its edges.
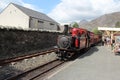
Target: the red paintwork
(76, 43)
(92, 38)
(76, 33)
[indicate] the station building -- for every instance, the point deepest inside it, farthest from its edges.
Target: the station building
(16, 16)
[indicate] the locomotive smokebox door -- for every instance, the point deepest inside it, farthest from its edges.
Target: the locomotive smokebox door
(64, 42)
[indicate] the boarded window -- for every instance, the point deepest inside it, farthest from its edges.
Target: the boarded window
(40, 21)
(52, 24)
(40, 24)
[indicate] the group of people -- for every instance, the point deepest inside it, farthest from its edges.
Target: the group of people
(117, 48)
(107, 41)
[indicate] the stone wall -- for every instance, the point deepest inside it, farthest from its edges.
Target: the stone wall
(15, 42)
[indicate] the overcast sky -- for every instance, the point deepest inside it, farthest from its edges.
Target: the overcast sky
(65, 11)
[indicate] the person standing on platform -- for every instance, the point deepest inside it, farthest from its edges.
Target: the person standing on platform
(103, 40)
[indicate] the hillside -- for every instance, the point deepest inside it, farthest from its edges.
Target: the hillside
(83, 22)
(107, 20)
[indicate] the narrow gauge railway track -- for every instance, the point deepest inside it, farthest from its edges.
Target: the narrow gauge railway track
(15, 59)
(37, 72)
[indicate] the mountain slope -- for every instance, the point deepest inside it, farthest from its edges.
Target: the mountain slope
(107, 20)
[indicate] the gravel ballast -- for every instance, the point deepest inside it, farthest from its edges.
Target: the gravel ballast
(26, 64)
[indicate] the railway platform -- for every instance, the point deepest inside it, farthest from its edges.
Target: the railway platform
(99, 63)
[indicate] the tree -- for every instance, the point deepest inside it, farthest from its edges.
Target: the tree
(96, 31)
(75, 25)
(117, 25)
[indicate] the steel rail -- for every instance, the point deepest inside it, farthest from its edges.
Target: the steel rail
(15, 59)
(19, 76)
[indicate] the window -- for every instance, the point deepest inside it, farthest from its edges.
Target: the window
(51, 24)
(83, 35)
(40, 21)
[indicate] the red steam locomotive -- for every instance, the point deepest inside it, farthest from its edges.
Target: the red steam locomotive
(75, 39)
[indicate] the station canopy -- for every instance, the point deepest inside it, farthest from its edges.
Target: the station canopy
(114, 33)
(108, 29)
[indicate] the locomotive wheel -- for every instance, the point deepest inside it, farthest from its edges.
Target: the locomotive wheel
(61, 55)
(69, 55)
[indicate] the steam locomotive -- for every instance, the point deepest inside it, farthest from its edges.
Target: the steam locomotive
(73, 40)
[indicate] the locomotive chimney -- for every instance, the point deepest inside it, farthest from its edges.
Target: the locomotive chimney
(65, 29)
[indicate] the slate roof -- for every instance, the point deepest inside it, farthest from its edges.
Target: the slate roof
(33, 13)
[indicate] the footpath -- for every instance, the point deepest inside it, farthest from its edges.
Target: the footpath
(99, 63)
